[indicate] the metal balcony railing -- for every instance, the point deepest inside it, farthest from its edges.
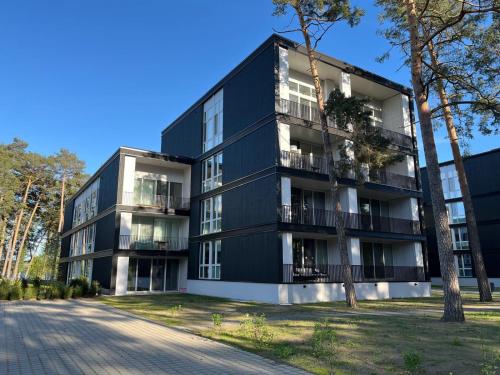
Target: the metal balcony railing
(158, 201)
(133, 242)
(318, 164)
(298, 214)
(310, 112)
(332, 273)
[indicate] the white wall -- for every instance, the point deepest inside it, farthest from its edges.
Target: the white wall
(284, 136)
(404, 208)
(125, 226)
(286, 191)
(283, 73)
(128, 175)
(407, 254)
(468, 281)
(286, 240)
(305, 293)
(121, 276)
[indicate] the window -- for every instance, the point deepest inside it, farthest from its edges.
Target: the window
(302, 96)
(464, 265)
(211, 213)
(456, 212)
(309, 253)
(85, 206)
(149, 233)
(152, 274)
(211, 172)
(460, 238)
(210, 260)
(213, 121)
(80, 268)
(377, 260)
(152, 190)
(83, 241)
(449, 180)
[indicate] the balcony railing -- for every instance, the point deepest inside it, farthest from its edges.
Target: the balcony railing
(298, 214)
(332, 273)
(157, 201)
(310, 112)
(132, 242)
(318, 164)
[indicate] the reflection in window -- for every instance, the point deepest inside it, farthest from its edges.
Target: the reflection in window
(209, 260)
(211, 177)
(464, 265)
(213, 121)
(456, 212)
(211, 214)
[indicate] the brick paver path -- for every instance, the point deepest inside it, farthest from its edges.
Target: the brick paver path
(87, 337)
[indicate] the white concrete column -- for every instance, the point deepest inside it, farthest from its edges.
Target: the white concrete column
(345, 83)
(414, 209)
(283, 73)
(354, 249)
(121, 275)
(284, 143)
(286, 241)
(405, 110)
(286, 191)
(125, 229)
(408, 254)
(128, 180)
(349, 199)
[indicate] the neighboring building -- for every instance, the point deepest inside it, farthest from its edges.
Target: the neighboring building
(261, 215)
(484, 184)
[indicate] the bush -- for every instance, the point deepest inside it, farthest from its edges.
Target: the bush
(29, 293)
(37, 282)
(16, 291)
(284, 351)
(325, 343)
(412, 361)
(4, 289)
(217, 320)
(82, 283)
(24, 284)
(77, 291)
(68, 292)
(255, 327)
(95, 288)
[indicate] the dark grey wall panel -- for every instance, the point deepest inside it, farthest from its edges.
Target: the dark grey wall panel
(184, 139)
(250, 154)
(249, 95)
(105, 233)
(101, 271)
(65, 242)
(68, 215)
(108, 185)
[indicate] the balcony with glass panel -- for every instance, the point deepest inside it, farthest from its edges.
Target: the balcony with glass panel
(156, 193)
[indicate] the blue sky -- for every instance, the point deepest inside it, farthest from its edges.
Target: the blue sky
(91, 75)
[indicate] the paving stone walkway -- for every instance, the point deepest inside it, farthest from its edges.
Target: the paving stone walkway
(87, 337)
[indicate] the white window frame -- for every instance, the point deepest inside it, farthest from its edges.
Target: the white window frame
(211, 215)
(450, 183)
(464, 271)
(452, 209)
(461, 244)
(211, 172)
(83, 241)
(213, 121)
(210, 270)
(86, 204)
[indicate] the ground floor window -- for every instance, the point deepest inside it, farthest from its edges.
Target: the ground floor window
(309, 253)
(152, 274)
(80, 268)
(210, 252)
(377, 260)
(460, 238)
(464, 265)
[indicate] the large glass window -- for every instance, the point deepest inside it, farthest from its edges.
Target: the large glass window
(149, 233)
(210, 252)
(460, 238)
(153, 190)
(85, 206)
(456, 212)
(309, 253)
(302, 100)
(151, 274)
(213, 121)
(449, 180)
(83, 241)
(464, 265)
(211, 172)
(211, 214)
(377, 260)
(80, 268)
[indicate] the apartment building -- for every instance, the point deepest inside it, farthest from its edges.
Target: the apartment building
(484, 184)
(261, 223)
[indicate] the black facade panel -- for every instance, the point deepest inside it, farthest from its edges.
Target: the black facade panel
(487, 207)
(196, 179)
(68, 215)
(252, 153)
(482, 173)
(249, 95)
(62, 273)
(251, 204)
(185, 138)
(105, 233)
(65, 242)
(101, 271)
(108, 185)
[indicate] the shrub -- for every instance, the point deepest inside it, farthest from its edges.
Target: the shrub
(82, 283)
(24, 284)
(217, 320)
(16, 291)
(489, 363)
(324, 340)
(55, 290)
(29, 293)
(284, 351)
(37, 282)
(77, 291)
(412, 361)
(95, 288)
(4, 289)
(255, 327)
(68, 292)
(174, 310)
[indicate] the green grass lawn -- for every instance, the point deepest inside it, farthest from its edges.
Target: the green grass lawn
(402, 336)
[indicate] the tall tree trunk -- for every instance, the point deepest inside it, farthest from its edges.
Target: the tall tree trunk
(3, 230)
(10, 253)
(474, 242)
(350, 292)
(453, 309)
(61, 205)
(20, 252)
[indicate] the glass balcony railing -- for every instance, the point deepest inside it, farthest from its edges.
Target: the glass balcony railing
(157, 201)
(133, 242)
